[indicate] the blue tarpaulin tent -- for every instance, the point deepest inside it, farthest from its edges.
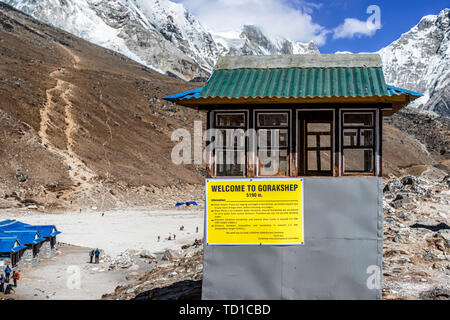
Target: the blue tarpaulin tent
(26, 237)
(10, 245)
(45, 231)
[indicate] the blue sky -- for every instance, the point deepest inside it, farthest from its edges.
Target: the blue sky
(397, 17)
(338, 25)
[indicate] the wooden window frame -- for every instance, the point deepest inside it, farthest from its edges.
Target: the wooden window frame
(257, 127)
(333, 140)
(215, 126)
(375, 145)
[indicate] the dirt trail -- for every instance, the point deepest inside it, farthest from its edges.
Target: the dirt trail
(78, 171)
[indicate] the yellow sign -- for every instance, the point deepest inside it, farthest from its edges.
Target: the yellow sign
(254, 211)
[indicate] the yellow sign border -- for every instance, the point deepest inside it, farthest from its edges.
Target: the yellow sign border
(249, 180)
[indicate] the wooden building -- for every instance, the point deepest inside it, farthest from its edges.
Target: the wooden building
(316, 117)
(326, 112)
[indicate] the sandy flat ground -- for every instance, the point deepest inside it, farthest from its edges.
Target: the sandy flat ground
(113, 232)
(119, 230)
(68, 276)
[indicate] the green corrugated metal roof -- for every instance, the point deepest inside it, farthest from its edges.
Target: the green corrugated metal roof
(296, 83)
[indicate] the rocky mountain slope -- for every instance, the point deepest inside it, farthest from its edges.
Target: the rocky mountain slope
(82, 125)
(165, 36)
(94, 120)
(158, 33)
(420, 61)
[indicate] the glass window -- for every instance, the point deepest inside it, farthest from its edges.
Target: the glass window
(265, 138)
(273, 143)
(272, 120)
(358, 142)
(325, 160)
(312, 161)
(350, 137)
(319, 145)
(319, 127)
(230, 144)
(273, 163)
(358, 160)
(230, 120)
(230, 138)
(358, 119)
(230, 162)
(366, 139)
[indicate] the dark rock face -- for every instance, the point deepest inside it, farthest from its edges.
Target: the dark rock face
(438, 293)
(430, 130)
(183, 290)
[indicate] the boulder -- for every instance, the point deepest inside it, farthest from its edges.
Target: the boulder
(146, 254)
(170, 255)
(437, 293)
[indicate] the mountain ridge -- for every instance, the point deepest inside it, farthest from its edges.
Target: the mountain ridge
(167, 38)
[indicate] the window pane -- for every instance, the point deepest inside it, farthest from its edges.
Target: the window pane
(273, 163)
(265, 137)
(231, 138)
(312, 161)
(367, 138)
(358, 160)
(312, 141)
(230, 120)
(272, 119)
(358, 119)
(319, 127)
(350, 137)
(325, 141)
(325, 160)
(230, 162)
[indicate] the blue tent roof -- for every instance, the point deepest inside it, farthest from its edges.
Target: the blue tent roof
(44, 230)
(6, 222)
(26, 237)
(184, 95)
(8, 245)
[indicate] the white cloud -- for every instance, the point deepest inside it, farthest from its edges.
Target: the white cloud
(291, 20)
(354, 27)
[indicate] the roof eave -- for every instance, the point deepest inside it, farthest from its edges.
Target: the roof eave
(198, 102)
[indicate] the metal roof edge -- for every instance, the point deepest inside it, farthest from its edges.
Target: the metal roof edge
(392, 91)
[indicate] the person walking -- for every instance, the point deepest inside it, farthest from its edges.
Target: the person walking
(91, 255)
(2, 283)
(159, 238)
(15, 278)
(97, 256)
(7, 273)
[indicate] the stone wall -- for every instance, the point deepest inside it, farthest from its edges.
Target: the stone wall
(46, 250)
(28, 260)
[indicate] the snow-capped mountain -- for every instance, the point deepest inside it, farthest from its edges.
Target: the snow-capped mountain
(162, 34)
(166, 37)
(251, 40)
(420, 61)
(158, 33)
